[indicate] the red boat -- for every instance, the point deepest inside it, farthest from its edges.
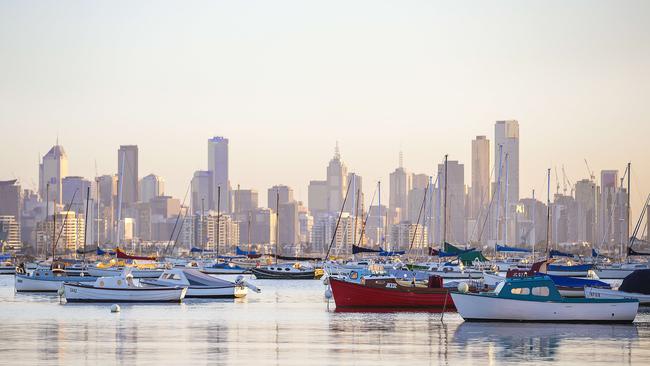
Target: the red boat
(388, 292)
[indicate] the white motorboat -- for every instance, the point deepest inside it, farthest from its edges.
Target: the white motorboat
(7, 267)
(117, 271)
(46, 280)
(601, 293)
(224, 268)
(202, 285)
(121, 288)
(618, 271)
(635, 286)
(455, 271)
(536, 299)
(492, 280)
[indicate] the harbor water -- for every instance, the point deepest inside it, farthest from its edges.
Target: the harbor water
(291, 323)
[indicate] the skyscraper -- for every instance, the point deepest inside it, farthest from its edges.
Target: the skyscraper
(455, 215)
(506, 151)
(246, 200)
(202, 197)
(480, 194)
(127, 165)
(218, 165)
(151, 186)
(10, 201)
(355, 196)
(400, 185)
(52, 170)
(285, 192)
(74, 192)
(586, 200)
(506, 134)
(607, 210)
(337, 175)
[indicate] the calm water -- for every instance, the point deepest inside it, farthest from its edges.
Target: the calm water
(289, 324)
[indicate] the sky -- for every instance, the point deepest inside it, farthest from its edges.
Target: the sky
(286, 80)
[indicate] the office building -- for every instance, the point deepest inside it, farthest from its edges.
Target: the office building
(52, 169)
(151, 186)
(218, 165)
(127, 165)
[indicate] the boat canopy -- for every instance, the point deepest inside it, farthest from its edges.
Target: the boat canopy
(100, 251)
(239, 251)
(383, 253)
(357, 249)
(631, 251)
(5, 257)
(123, 255)
(470, 256)
(637, 282)
(505, 248)
(557, 253)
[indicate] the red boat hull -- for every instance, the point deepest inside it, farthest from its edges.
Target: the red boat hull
(347, 294)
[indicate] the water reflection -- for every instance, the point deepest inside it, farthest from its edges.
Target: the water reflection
(536, 341)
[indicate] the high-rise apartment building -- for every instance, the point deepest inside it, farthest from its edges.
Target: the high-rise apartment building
(52, 169)
(127, 165)
(151, 186)
(480, 192)
(218, 165)
(400, 185)
(202, 197)
(453, 223)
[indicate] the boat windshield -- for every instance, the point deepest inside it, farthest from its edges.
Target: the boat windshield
(499, 287)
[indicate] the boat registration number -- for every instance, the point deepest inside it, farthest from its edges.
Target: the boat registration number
(391, 285)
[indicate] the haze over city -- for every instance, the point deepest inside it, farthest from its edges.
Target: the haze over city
(378, 79)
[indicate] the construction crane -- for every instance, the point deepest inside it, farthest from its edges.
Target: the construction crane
(567, 181)
(591, 173)
(557, 182)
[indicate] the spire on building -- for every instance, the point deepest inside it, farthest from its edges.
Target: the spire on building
(401, 159)
(337, 152)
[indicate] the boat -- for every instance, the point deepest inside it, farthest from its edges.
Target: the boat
(46, 279)
(294, 271)
(120, 288)
(136, 272)
(619, 271)
(7, 266)
(635, 286)
(536, 299)
(389, 292)
(576, 270)
(224, 268)
(575, 287)
(201, 285)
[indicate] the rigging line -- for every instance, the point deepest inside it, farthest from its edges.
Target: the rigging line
(65, 219)
(482, 206)
(363, 224)
(171, 236)
(417, 223)
(347, 191)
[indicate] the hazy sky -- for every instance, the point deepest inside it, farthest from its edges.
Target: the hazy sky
(284, 80)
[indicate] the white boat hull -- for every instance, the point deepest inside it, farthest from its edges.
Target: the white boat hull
(29, 284)
(228, 292)
(491, 280)
(7, 270)
(458, 274)
(113, 272)
(488, 308)
(223, 271)
(568, 273)
(600, 293)
(82, 293)
(613, 273)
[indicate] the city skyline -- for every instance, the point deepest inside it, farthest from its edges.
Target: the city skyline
(451, 72)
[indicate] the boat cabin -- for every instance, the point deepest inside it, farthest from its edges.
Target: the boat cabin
(538, 288)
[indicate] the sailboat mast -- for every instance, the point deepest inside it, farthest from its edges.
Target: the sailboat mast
(505, 207)
(201, 243)
(380, 223)
(498, 196)
(627, 221)
(218, 218)
(47, 214)
(356, 215)
(53, 230)
(83, 254)
(119, 201)
(444, 227)
(548, 209)
(277, 223)
(534, 231)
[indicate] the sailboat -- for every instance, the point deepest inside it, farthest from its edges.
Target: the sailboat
(288, 271)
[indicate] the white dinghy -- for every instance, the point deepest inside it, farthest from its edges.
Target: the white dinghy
(121, 288)
(202, 285)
